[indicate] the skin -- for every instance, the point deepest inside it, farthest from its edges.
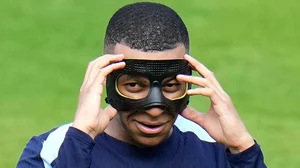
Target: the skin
(221, 121)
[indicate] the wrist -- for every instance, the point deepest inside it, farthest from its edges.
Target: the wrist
(246, 144)
(92, 133)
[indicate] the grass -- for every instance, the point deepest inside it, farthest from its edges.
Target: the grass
(252, 47)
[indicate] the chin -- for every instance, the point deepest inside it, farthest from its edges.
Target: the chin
(149, 141)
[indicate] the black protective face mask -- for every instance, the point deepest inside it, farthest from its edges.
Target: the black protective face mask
(155, 71)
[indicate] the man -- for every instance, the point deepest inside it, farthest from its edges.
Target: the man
(147, 74)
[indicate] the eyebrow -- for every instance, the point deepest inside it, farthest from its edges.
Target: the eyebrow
(168, 79)
(136, 77)
(131, 76)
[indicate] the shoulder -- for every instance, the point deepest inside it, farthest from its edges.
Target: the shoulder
(53, 142)
(42, 150)
(200, 147)
(187, 126)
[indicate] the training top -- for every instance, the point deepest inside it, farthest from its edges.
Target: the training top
(189, 146)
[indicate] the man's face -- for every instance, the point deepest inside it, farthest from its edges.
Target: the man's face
(153, 125)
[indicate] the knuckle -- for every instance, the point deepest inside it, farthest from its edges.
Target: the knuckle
(211, 91)
(85, 90)
(225, 107)
(109, 58)
(89, 90)
(105, 56)
(228, 101)
(81, 90)
(103, 63)
(101, 72)
(91, 63)
(82, 93)
(205, 82)
(104, 72)
(227, 97)
(210, 74)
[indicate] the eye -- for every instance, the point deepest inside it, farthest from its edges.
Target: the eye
(134, 87)
(171, 85)
(132, 84)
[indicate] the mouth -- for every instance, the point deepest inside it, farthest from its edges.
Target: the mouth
(150, 128)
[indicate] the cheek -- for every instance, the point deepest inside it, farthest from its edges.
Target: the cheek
(169, 125)
(127, 122)
(123, 118)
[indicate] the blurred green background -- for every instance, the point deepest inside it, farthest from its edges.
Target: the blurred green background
(252, 46)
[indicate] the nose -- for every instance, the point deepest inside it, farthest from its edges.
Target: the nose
(155, 111)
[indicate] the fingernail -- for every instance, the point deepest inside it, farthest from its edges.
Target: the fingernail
(122, 62)
(189, 91)
(181, 75)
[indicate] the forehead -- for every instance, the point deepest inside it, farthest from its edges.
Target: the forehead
(129, 53)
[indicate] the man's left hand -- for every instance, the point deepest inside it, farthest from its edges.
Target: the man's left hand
(222, 121)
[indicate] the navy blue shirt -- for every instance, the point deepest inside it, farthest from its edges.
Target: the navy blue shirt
(180, 150)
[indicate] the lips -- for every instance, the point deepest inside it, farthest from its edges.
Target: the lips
(150, 128)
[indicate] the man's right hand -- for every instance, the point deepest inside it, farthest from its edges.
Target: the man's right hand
(90, 117)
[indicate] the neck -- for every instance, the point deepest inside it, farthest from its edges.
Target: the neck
(116, 130)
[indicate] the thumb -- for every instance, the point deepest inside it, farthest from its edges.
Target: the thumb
(193, 115)
(111, 111)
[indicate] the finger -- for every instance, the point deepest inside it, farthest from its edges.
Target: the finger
(194, 80)
(198, 81)
(86, 75)
(101, 76)
(198, 66)
(200, 91)
(193, 115)
(205, 72)
(99, 63)
(90, 65)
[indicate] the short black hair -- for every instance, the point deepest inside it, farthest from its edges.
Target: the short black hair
(146, 26)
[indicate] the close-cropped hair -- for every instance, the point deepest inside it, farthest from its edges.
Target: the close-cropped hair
(147, 27)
